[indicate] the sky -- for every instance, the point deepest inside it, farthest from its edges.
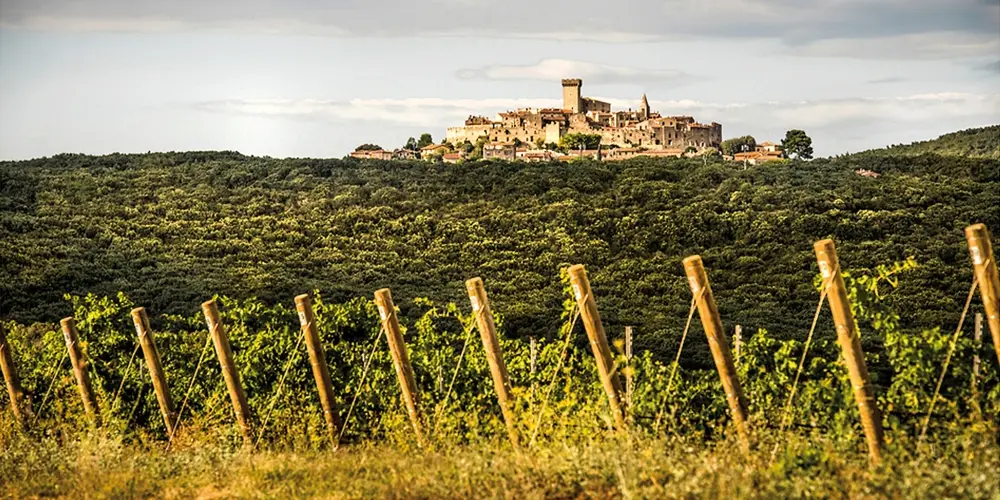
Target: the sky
(311, 78)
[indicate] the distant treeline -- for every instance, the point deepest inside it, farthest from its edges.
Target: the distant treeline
(170, 230)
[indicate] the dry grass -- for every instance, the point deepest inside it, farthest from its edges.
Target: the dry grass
(807, 466)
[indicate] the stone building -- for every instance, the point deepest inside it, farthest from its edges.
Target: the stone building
(498, 150)
(629, 128)
(765, 151)
(377, 154)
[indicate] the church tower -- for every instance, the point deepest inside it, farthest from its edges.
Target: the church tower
(644, 110)
(572, 97)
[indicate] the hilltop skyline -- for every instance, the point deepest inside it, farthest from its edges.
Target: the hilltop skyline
(306, 79)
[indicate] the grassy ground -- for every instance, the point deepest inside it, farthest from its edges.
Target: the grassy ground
(805, 466)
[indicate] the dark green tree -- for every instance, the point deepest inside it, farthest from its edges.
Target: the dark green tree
(368, 147)
(797, 143)
(425, 140)
(580, 141)
(742, 144)
(411, 144)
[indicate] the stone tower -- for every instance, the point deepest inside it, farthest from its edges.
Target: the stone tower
(644, 110)
(572, 97)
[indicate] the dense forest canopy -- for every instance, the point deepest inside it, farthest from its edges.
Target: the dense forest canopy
(172, 229)
(974, 142)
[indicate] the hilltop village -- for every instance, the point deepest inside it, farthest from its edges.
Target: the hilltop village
(582, 128)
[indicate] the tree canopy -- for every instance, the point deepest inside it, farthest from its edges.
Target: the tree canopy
(797, 144)
(579, 140)
(742, 144)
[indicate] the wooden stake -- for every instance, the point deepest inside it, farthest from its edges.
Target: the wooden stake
(80, 370)
(401, 360)
(629, 382)
(321, 371)
(229, 372)
(718, 343)
(156, 372)
(985, 266)
(738, 342)
(498, 369)
(598, 341)
(977, 346)
(19, 402)
(850, 343)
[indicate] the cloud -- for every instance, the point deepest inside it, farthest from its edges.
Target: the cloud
(930, 45)
(554, 69)
(993, 67)
(853, 123)
(885, 28)
(412, 111)
(888, 79)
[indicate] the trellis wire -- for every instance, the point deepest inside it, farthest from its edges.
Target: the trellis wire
(947, 359)
(555, 374)
(277, 392)
(194, 378)
(677, 359)
(55, 375)
(444, 401)
(361, 384)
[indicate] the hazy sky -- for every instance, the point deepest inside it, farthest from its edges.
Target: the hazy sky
(317, 78)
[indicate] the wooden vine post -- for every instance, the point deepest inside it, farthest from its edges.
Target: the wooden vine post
(985, 265)
(498, 369)
(221, 341)
(598, 341)
(400, 359)
(80, 370)
(708, 311)
(317, 358)
(19, 402)
(629, 379)
(156, 372)
(850, 342)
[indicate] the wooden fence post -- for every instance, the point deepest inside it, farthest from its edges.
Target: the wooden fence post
(498, 369)
(229, 372)
(708, 311)
(978, 345)
(738, 342)
(80, 370)
(850, 343)
(321, 371)
(985, 266)
(629, 382)
(156, 373)
(598, 341)
(19, 402)
(401, 360)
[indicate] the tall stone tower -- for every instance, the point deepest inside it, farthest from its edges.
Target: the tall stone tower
(572, 96)
(644, 110)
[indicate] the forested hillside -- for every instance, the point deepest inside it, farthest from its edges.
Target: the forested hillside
(172, 229)
(974, 142)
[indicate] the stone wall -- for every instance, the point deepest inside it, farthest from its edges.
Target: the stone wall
(471, 133)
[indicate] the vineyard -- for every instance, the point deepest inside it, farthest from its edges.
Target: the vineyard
(299, 395)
